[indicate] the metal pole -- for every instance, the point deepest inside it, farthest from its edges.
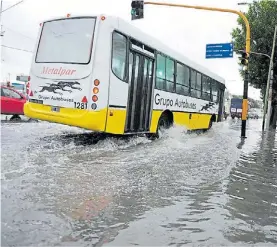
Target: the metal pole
(270, 81)
(266, 93)
(244, 104)
(269, 101)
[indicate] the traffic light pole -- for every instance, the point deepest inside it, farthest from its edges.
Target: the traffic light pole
(247, 50)
(244, 104)
(268, 82)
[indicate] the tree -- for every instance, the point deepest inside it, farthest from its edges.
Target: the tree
(262, 18)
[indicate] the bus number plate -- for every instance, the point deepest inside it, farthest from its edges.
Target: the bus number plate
(80, 105)
(55, 108)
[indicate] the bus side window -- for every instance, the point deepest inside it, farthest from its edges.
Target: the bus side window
(170, 87)
(198, 85)
(206, 91)
(193, 90)
(119, 55)
(182, 79)
(160, 72)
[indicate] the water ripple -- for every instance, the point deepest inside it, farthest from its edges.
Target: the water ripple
(61, 187)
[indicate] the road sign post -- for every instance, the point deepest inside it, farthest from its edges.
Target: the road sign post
(224, 50)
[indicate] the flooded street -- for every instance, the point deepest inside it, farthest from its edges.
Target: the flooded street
(183, 189)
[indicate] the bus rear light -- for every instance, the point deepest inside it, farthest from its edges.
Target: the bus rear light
(94, 98)
(96, 82)
(103, 18)
(93, 106)
(68, 15)
(96, 90)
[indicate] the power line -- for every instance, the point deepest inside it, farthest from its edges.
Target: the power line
(19, 33)
(11, 6)
(14, 48)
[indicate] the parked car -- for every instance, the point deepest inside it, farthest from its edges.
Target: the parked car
(12, 102)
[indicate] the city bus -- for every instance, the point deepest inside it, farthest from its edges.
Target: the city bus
(103, 74)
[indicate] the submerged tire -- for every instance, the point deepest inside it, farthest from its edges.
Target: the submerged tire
(163, 124)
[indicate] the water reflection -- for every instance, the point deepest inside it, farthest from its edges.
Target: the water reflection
(183, 189)
(252, 192)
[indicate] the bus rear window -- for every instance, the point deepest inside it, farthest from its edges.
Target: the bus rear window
(66, 41)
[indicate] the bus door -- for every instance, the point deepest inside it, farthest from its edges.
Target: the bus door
(140, 93)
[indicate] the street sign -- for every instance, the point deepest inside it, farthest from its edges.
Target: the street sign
(224, 50)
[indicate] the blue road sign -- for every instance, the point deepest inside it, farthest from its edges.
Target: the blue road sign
(224, 50)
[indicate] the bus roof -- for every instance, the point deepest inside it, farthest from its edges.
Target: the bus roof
(125, 26)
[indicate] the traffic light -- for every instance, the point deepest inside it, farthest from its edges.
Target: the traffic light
(244, 58)
(137, 9)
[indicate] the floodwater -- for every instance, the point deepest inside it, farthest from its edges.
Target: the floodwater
(61, 189)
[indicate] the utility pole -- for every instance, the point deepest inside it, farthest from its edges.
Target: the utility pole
(266, 92)
(269, 100)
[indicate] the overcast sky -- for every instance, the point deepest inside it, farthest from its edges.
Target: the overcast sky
(186, 30)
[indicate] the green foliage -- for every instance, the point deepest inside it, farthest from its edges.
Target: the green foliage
(237, 96)
(262, 17)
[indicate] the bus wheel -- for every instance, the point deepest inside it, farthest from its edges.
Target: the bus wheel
(165, 122)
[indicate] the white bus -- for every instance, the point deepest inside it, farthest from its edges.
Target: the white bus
(103, 74)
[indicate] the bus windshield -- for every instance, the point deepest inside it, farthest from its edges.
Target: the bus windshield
(66, 41)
